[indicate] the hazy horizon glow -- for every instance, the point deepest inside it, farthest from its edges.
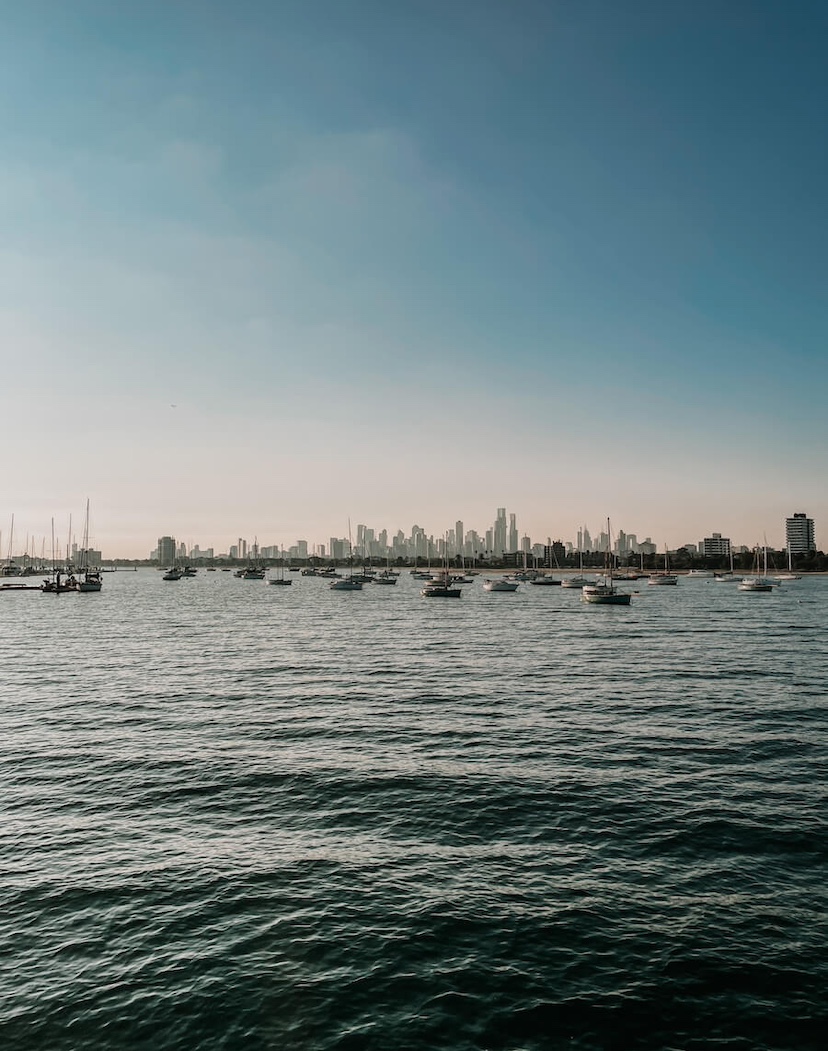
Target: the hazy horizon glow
(271, 267)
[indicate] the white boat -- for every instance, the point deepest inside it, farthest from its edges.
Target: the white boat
(89, 579)
(351, 582)
(173, 574)
(604, 592)
(759, 582)
(663, 577)
(385, 577)
(578, 580)
(345, 584)
(789, 574)
(706, 573)
(544, 580)
(756, 584)
(729, 577)
(500, 585)
(281, 579)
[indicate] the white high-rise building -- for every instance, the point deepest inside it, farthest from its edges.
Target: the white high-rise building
(799, 534)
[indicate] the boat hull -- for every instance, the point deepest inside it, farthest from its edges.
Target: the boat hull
(441, 592)
(604, 595)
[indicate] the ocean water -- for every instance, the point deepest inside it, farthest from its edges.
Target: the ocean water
(237, 816)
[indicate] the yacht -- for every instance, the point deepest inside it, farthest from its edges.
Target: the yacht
(345, 584)
(441, 587)
(756, 584)
(759, 582)
(664, 576)
(500, 585)
(605, 593)
(578, 582)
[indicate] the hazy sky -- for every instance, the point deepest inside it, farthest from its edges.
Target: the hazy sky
(268, 266)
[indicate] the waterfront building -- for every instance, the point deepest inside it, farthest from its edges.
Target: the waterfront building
(166, 550)
(716, 546)
(513, 533)
(799, 534)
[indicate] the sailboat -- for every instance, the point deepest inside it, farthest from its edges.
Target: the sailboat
(756, 582)
(53, 585)
(579, 580)
(664, 576)
(729, 577)
(90, 579)
(441, 584)
(281, 579)
(789, 575)
(604, 592)
(351, 582)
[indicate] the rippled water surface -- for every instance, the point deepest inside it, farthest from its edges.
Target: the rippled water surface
(243, 816)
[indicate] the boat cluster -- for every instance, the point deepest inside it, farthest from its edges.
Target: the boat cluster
(444, 583)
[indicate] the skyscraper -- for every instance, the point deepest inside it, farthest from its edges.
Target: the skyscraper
(513, 533)
(166, 550)
(499, 532)
(799, 534)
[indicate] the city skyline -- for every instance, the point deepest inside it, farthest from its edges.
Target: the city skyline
(503, 534)
(260, 274)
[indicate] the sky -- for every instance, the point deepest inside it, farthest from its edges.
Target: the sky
(268, 267)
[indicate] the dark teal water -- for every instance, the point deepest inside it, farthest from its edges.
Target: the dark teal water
(236, 816)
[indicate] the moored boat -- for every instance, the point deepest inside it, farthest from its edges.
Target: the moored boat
(500, 585)
(603, 592)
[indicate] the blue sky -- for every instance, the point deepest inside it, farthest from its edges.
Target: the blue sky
(411, 262)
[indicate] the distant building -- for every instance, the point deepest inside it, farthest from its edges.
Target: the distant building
(513, 533)
(499, 537)
(716, 546)
(799, 534)
(166, 550)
